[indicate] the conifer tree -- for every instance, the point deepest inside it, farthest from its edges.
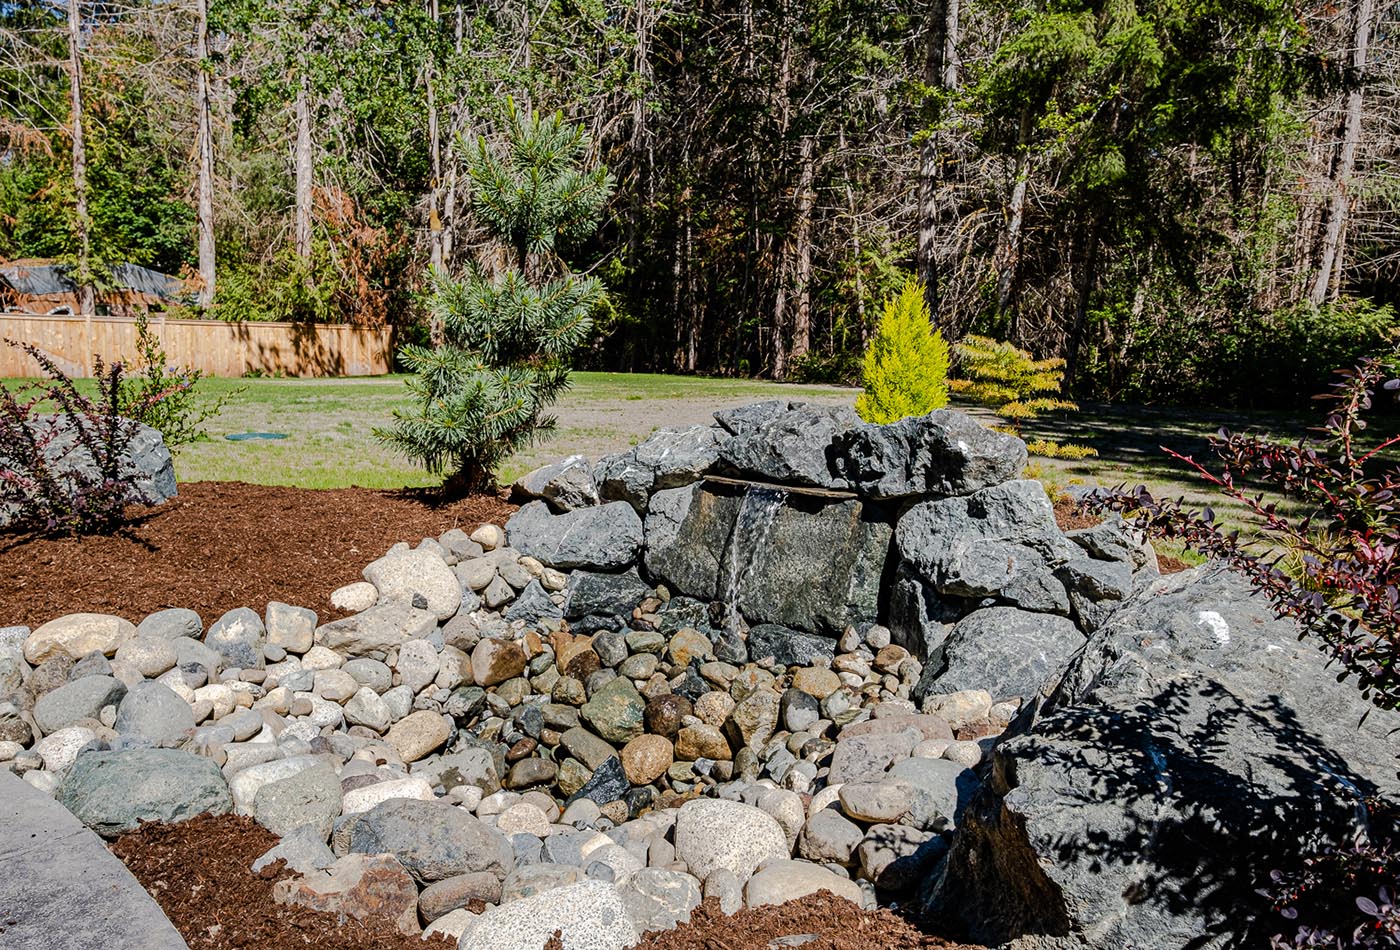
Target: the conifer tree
(905, 371)
(1017, 385)
(508, 329)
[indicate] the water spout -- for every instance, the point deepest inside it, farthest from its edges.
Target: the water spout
(757, 511)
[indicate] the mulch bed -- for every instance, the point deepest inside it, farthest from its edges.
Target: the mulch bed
(817, 922)
(221, 545)
(198, 872)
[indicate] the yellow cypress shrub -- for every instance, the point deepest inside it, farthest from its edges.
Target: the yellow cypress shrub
(905, 370)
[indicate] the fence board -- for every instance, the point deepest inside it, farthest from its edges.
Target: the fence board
(213, 346)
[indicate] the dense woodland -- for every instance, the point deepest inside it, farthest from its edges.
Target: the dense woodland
(1189, 202)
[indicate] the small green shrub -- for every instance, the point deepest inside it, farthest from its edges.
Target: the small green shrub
(905, 370)
(163, 396)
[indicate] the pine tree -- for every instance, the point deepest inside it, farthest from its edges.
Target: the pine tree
(905, 371)
(507, 332)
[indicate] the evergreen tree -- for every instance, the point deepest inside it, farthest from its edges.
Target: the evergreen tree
(508, 330)
(1017, 385)
(905, 371)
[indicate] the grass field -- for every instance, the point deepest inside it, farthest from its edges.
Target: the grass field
(330, 442)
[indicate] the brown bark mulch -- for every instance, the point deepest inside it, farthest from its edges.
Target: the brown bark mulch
(221, 545)
(198, 872)
(818, 921)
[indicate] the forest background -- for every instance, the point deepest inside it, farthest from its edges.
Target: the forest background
(1190, 201)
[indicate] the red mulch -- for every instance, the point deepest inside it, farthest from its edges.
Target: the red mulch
(198, 872)
(830, 923)
(221, 545)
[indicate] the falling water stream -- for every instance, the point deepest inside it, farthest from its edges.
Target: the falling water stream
(757, 511)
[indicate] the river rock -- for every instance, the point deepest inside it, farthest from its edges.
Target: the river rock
(783, 881)
(312, 797)
(604, 538)
(288, 627)
(659, 899)
(589, 915)
(712, 833)
(80, 699)
(112, 792)
(77, 635)
(238, 636)
(615, 711)
(376, 631)
(418, 734)
(433, 839)
(171, 623)
(362, 886)
(155, 711)
(403, 575)
(646, 758)
(149, 656)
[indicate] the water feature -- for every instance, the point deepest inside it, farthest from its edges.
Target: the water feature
(758, 509)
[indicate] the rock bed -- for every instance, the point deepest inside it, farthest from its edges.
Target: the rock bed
(221, 545)
(648, 690)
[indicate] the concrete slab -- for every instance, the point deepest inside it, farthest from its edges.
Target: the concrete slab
(61, 889)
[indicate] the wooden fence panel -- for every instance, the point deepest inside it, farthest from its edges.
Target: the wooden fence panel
(213, 346)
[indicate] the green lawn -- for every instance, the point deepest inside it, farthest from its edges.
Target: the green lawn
(329, 424)
(330, 443)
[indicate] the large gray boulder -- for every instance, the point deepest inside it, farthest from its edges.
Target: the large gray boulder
(999, 542)
(606, 600)
(113, 792)
(433, 840)
(156, 711)
(792, 448)
(81, 699)
(1007, 652)
(1193, 746)
(146, 464)
(565, 485)
(605, 538)
(807, 563)
(943, 453)
(670, 458)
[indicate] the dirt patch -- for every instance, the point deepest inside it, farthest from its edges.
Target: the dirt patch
(221, 545)
(198, 872)
(819, 921)
(1070, 517)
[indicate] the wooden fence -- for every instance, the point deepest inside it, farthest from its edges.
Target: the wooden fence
(216, 347)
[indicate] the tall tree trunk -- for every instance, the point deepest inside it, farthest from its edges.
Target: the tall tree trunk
(303, 166)
(806, 200)
(1008, 278)
(1088, 278)
(204, 210)
(435, 230)
(460, 117)
(941, 74)
(87, 294)
(1326, 285)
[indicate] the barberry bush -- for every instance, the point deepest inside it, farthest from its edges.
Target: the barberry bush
(41, 425)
